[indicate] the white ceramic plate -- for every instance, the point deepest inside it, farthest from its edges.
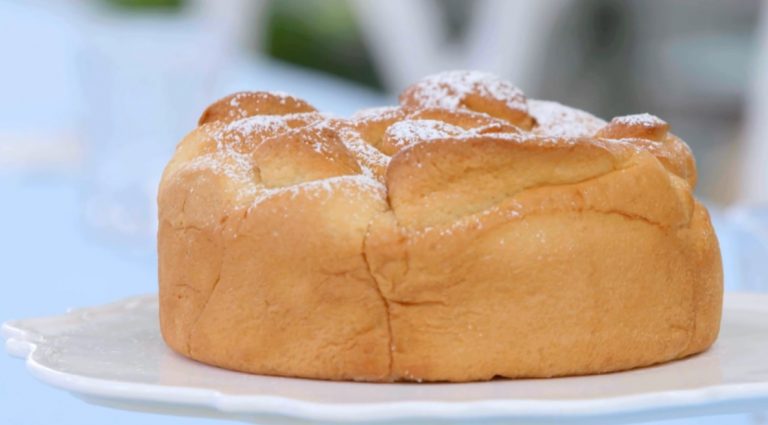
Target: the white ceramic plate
(113, 355)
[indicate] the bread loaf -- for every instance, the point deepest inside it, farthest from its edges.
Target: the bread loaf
(466, 234)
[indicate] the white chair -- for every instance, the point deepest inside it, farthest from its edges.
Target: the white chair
(504, 37)
(754, 172)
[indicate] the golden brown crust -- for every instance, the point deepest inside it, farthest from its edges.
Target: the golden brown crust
(466, 234)
(468, 90)
(247, 104)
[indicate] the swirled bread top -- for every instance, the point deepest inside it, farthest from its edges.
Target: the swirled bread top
(458, 143)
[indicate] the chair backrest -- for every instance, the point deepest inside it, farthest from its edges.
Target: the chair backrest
(754, 163)
(503, 37)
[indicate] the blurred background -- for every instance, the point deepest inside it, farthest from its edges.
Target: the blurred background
(95, 94)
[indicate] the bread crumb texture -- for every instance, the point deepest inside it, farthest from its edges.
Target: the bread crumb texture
(467, 233)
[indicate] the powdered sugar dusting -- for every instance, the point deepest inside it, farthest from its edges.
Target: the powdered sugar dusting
(640, 120)
(347, 186)
(367, 155)
(245, 134)
(282, 95)
(499, 136)
(409, 132)
(234, 142)
(257, 124)
(448, 90)
(558, 120)
(317, 138)
(360, 148)
(383, 112)
(237, 168)
(237, 110)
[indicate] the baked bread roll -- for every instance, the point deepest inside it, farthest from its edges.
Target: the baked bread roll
(466, 234)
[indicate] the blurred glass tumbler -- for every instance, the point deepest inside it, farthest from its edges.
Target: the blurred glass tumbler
(145, 79)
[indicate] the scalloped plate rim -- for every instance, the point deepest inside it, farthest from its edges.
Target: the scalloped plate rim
(23, 344)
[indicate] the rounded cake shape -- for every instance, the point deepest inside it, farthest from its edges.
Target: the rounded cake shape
(465, 234)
